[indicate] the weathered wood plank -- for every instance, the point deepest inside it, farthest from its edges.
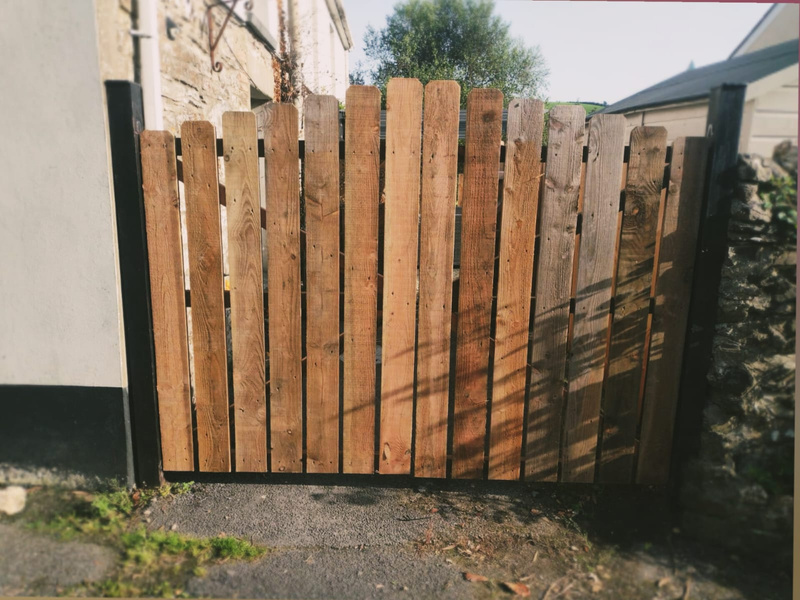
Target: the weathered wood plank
(517, 236)
(165, 254)
(670, 316)
(362, 163)
(437, 226)
(208, 312)
(558, 215)
(403, 138)
(606, 141)
(321, 183)
(632, 303)
(240, 141)
(479, 220)
(283, 281)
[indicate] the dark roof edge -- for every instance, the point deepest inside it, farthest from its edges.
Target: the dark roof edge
(655, 104)
(730, 68)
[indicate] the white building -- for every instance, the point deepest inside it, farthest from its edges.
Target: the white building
(766, 61)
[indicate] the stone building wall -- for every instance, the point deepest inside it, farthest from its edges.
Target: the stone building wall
(738, 491)
(115, 20)
(190, 89)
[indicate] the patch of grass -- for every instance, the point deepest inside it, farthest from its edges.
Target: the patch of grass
(145, 495)
(151, 563)
(589, 107)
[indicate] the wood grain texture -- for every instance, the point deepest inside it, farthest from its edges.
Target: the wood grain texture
(240, 142)
(558, 215)
(437, 227)
(362, 163)
(632, 302)
(522, 175)
(403, 138)
(479, 221)
(208, 311)
(595, 272)
(670, 316)
(321, 183)
(165, 255)
(283, 281)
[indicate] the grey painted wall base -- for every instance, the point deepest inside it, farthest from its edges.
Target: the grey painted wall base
(74, 436)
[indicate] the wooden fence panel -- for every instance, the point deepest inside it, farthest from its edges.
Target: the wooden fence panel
(283, 280)
(165, 254)
(481, 168)
(205, 278)
(362, 164)
(403, 138)
(321, 179)
(437, 227)
(606, 141)
(643, 194)
(558, 215)
(670, 316)
(595, 329)
(240, 141)
(522, 174)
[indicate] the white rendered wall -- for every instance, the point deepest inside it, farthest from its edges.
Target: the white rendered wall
(59, 300)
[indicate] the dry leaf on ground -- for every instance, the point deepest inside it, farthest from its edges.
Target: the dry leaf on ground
(474, 577)
(520, 589)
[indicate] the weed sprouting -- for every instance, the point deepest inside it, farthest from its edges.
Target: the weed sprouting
(151, 563)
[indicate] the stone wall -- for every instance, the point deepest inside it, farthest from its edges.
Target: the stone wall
(738, 491)
(190, 89)
(115, 20)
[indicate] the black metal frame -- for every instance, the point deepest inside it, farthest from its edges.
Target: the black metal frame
(723, 127)
(125, 123)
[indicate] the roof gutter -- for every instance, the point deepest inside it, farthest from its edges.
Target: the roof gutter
(336, 10)
(629, 109)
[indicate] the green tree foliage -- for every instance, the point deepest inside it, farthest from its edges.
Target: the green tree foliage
(452, 39)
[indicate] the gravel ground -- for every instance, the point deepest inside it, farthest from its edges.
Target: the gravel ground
(380, 541)
(292, 516)
(38, 565)
(383, 572)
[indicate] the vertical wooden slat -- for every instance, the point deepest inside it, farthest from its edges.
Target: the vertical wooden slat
(283, 282)
(479, 220)
(240, 142)
(199, 145)
(606, 141)
(517, 235)
(160, 185)
(437, 226)
(403, 136)
(321, 183)
(673, 288)
(362, 163)
(558, 216)
(632, 302)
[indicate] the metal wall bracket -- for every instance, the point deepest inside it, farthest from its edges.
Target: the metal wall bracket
(212, 43)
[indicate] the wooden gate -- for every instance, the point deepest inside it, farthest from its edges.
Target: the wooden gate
(552, 353)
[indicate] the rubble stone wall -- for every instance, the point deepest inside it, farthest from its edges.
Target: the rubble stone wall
(738, 491)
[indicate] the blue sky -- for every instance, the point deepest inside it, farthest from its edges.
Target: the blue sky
(603, 51)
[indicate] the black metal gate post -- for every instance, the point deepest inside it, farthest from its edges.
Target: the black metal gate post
(125, 123)
(723, 127)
